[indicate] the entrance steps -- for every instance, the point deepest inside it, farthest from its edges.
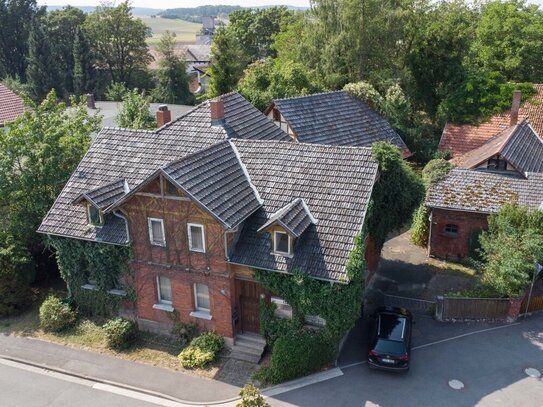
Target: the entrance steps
(248, 347)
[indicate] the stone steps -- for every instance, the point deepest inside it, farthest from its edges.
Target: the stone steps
(248, 347)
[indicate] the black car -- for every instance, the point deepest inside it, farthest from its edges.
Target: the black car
(390, 340)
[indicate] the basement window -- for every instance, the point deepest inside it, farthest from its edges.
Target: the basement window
(451, 229)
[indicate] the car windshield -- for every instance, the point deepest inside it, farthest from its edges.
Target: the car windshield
(391, 326)
(390, 347)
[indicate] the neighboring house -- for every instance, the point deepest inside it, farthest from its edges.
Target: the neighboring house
(11, 106)
(333, 118)
(507, 168)
(209, 197)
(459, 139)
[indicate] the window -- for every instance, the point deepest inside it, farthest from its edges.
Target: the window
(282, 308)
(276, 115)
(156, 232)
(451, 229)
(171, 189)
(164, 290)
(94, 216)
(497, 163)
(281, 242)
(201, 298)
(196, 238)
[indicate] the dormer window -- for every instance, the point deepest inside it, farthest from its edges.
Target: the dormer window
(282, 243)
(94, 216)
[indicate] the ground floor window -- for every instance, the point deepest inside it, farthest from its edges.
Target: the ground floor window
(164, 290)
(451, 229)
(282, 308)
(201, 298)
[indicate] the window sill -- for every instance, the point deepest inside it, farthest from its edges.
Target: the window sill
(156, 244)
(120, 293)
(89, 287)
(201, 315)
(163, 307)
(196, 251)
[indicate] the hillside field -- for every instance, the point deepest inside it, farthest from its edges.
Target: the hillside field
(184, 30)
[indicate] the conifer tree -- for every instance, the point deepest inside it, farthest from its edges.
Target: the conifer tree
(40, 72)
(83, 69)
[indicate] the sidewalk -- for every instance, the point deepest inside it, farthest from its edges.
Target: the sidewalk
(91, 365)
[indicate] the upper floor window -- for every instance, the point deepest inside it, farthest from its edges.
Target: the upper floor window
(282, 243)
(451, 228)
(156, 232)
(171, 189)
(196, 238)
(497, 163)
(94, 216)
(276, 115)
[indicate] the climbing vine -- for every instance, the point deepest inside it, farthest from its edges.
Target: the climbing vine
(81, 262)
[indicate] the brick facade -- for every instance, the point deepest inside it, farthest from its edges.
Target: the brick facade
(454, 246)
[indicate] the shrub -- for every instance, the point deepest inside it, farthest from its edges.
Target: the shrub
(251, 397)
(420, 227)
(120, 333)
(184, 333)
(209, 341)
(55, 316)
(201, 350)
(296, 354)
(272, 327)
(192, 357)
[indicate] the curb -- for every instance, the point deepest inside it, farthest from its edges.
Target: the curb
(117, 384)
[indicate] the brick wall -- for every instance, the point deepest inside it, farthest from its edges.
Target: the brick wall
(454, 246)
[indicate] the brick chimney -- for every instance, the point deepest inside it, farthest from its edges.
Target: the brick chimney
(217, 111)
(515, 106)
(163, 116)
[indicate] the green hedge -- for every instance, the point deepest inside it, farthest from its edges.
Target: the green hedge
(296, 354)
(120, 333)
(201, 351)
(55, 315)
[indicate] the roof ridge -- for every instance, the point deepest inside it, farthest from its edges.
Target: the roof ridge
(313, 94)
(313, 145)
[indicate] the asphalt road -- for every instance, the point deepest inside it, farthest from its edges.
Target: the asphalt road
(490, 364)
(22, 388)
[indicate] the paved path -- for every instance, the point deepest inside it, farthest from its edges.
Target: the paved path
(491, 365)
(89, 364)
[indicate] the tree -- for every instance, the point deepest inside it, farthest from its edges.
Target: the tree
(118, 40)
(83, 71)
(41, 73)
(267, 80)
(61, 28)
(134, 113)
(16, 18)
(510, 248)
(227, 63)
(172, 78)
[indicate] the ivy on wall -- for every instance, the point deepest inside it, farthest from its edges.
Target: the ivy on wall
(82, 261)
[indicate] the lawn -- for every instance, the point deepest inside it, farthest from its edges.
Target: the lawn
(185, 31)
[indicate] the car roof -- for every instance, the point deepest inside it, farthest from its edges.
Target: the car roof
(391, 326)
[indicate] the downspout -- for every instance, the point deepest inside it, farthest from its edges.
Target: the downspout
(226, 254)
(430, 231)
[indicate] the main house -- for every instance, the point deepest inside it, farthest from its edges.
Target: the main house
(491, 170)
(208, 198)
(334, 118)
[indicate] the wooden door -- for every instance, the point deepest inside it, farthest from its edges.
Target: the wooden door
(249, 293)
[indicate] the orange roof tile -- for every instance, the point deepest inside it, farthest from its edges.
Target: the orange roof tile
(11, 106)
(461, 138)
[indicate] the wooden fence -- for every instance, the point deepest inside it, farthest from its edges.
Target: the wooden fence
(415, 305)
(536, 304)
(472, 308)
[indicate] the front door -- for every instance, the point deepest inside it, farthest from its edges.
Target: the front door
(249, 293)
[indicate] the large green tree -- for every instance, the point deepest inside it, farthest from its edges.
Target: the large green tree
(41, 72)
(134, 113)
(227, 63)
(172, 77)
(83, 71)
(118, 40)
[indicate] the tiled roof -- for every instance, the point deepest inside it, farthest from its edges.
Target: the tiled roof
(336, 118)
(11, 106)
(105, 195)
(295, 218)
(336, 184)
(461, 138)
(484, 191)
(216, 179)
(519, 145)
(246, 121)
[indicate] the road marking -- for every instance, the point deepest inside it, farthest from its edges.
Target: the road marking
(138, 396)
(464, 335)
(353, 364)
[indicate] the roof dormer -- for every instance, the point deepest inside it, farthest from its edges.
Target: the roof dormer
(288, 224)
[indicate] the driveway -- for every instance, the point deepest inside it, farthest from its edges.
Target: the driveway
(490, 363)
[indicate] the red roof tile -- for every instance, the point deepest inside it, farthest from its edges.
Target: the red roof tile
(11, 106)
(461, 138)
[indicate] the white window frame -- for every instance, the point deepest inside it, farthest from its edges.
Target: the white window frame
(150, 226)
(160, 299)
(198, 225)
(89, 218)
(196, 306)
(275, 240)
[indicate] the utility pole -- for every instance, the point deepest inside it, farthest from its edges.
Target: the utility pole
(538, 268)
